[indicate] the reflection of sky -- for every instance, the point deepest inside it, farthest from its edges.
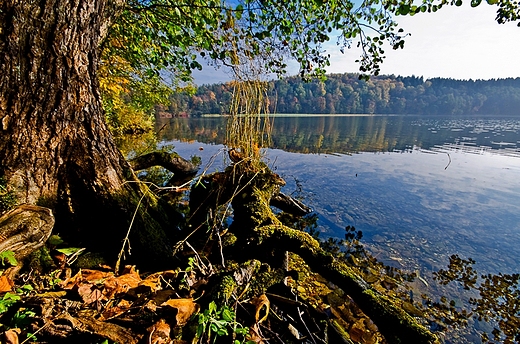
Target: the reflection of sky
(458, 194)
(409, 205)
(410, 201)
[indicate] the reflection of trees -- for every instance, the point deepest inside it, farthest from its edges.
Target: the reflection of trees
(343, 134)
(498, 300)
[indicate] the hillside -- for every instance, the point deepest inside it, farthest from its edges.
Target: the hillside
(346, 94)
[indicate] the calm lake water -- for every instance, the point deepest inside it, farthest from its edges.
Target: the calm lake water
(419, 188)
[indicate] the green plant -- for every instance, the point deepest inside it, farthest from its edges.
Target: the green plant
(214, 322)
(7, 301)
(8, 257)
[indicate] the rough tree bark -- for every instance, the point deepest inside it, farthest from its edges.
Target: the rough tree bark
(55, 147)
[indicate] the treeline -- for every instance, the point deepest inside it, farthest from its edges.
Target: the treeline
(346, 94)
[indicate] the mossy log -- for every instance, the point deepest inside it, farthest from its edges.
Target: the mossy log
(260, 235)
(24, 229)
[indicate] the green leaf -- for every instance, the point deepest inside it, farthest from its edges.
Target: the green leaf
(69, 251)
(227, 314)
(9, 256)
(458, 3)
(404, 9)
(475, 3)
(492, 2)
(55, 240)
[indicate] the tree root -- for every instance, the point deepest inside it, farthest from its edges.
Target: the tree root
(260, 235)
(24, 229)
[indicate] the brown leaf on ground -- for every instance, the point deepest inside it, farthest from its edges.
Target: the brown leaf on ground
(89, 294)
(85, 275)
(121, 284)
(5, 284)
(159, 333)
(185, 309)
(116, 311)
(11, 336)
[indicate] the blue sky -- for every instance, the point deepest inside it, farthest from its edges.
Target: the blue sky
(455, 42)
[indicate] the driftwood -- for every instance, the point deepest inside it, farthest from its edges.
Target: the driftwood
(180, 167)
(260, 235)
(24, 229)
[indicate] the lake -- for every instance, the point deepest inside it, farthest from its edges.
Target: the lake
(419, 188)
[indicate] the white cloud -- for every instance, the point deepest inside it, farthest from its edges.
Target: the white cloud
(455, 42)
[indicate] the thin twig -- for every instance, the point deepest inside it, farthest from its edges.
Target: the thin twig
(449, 162)
(127, 239)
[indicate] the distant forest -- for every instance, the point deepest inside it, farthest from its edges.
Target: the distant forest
(346, 94)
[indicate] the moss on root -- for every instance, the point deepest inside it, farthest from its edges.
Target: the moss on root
(260, 235)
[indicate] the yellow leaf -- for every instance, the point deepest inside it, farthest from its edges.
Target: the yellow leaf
(185, 309)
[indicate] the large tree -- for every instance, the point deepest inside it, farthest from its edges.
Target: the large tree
(55, 147)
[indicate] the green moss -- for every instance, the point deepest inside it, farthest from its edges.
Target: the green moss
(90, 260)
(41, 260)
(7, 196)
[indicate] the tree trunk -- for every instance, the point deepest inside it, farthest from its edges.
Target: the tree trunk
(55, 147)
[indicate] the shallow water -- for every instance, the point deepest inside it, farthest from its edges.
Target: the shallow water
(420, 189)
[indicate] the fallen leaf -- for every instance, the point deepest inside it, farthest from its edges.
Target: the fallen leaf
(5, 284)
(185, 309)
(116, 311)
(121, 284)
(159, 333)
(11, 336)
(90, 294)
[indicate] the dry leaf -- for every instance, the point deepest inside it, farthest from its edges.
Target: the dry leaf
(95, 276)
(5, 284)
(11, 336)
(116, 311)
(254, 334)
(121, 284)
(259, 303)
(159, 333)
(185, 309)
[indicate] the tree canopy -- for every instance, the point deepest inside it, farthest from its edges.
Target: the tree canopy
(165, 35)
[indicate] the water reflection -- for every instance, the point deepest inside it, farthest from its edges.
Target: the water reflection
(420, 189)
(352, 134)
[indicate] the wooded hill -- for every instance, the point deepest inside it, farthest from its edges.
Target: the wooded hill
(346, 94)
